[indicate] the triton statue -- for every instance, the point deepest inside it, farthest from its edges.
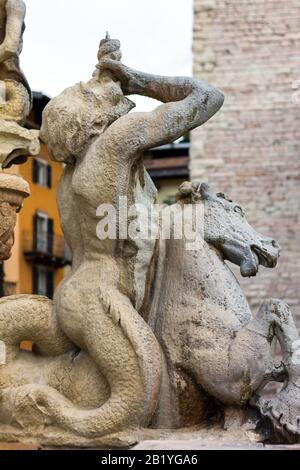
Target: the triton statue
(142, 338)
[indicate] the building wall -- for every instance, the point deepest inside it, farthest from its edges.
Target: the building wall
(17, 269)
(251, 148)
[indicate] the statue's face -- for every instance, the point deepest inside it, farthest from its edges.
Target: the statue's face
(227, 229)
(114, 98)
(72, 120)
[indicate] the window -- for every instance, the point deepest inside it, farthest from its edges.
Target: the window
(43, 233)
(43, 281)
(42, 174)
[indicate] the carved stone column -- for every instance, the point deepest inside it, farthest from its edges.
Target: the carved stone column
(13, 190)
(16, 142)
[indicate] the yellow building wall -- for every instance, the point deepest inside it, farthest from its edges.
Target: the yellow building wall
(12, 266)
(168, 188)
(17, 269)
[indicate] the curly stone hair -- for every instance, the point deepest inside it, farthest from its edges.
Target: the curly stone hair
(82, 113)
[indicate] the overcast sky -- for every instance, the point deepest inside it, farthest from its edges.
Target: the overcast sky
(62, 37)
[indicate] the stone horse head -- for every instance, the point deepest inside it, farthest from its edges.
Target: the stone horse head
(227, 230)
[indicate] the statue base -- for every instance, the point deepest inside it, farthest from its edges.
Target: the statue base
(238, 429)
(141, 439)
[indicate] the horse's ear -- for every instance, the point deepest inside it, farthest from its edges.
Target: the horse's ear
(205, 191)
(185, 189)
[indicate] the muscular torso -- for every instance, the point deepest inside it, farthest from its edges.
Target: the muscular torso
(101, 179)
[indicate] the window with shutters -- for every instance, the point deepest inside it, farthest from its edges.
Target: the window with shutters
(43, 233)
(43, 281)
(42, 173)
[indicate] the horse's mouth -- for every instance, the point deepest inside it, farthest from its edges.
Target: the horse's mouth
(266, 259)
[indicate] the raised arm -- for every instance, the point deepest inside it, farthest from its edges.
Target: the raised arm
(189, 103)
(15, 14)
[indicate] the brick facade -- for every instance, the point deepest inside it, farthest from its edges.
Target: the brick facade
(251, 149)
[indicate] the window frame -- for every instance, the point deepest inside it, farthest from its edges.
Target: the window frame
(47, 236)
(44, 181)
(49, 281)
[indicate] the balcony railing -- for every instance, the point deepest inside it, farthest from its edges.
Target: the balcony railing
(45, 248)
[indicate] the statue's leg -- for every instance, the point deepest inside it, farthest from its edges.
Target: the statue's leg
(230, 367)
(127, 353)
(234, 372)
(30, 318)
(26, 318)
(284, 408)
(55, 364)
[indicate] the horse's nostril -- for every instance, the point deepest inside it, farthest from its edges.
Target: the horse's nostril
(275, 244)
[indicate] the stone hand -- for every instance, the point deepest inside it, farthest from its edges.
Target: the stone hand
(164, 89)
(127, 77)
(132, 81)
(109, 48)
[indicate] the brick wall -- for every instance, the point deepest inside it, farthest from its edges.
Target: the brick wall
(251, 148)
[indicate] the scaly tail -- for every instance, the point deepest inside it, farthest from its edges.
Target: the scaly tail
(127, 353)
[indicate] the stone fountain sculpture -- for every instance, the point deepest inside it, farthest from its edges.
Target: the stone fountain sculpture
(16, 142)
(143, 338)
(213, 345)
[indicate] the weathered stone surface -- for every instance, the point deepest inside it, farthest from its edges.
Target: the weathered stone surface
(114, 363)
(16, 143)
(95, 374)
